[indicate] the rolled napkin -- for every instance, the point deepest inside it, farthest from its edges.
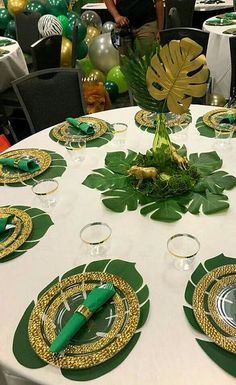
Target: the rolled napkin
(218, 21)
(86, 128)
(231, 15)
(229, 119)
(29, 165)
(4, 222)
(96, 298)
(4, 42)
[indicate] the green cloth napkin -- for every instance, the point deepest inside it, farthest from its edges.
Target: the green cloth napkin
(4, 42)
(229, 119)
(84, 127)
(218, 21)
(28, 165)
(231, 15)
(4, 222)
(96, 298)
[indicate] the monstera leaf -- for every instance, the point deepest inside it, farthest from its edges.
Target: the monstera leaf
(41, 223)
(205, 130)
(177, 74)
(26, 356)
(221, 357)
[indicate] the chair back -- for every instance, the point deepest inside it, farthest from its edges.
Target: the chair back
(183, 9)
(174, 18)
(232, 43)
(27, 29)
(50, 96)
(74, 43)
(199, 36)
(46, 52)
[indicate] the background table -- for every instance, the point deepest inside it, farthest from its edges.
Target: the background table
(12, 65)
(166, 352)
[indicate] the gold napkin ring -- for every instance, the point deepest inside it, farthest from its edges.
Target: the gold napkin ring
(84, 310)
(16, 163)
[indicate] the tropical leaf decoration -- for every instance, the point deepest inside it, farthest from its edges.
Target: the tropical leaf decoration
(205, 130)
(56, 169)
(120, 193)
(221, 357)
(40, 225)
(26, 356)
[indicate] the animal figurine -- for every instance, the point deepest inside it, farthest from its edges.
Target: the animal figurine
(141, 173)
(96, 97)
(181, 161)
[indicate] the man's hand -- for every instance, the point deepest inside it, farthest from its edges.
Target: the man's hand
(121, 21)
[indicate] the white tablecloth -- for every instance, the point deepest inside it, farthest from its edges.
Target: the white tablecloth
(166, 352)
(218, 58)
(12, 65)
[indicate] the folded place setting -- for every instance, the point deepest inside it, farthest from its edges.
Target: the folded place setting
(219, 21)
(5, 42)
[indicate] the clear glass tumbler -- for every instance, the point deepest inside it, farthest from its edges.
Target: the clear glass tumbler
(183, 248)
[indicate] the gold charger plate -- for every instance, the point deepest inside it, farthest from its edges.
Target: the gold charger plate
(62, 131)
(103, 336)
(13, 175)
(21, 232)
(212, 118)
(142, 118)
(213, 317)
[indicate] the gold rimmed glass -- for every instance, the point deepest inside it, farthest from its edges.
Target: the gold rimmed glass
(120, 132)
(46, 190)
(76, 149)
(223, 136)
(96, 237)
(183, 248)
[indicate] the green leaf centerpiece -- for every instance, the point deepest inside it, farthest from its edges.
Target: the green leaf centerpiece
(165, 182)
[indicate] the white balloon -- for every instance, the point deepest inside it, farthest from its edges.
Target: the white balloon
(49, 25)
(108, 26)
(102, 53)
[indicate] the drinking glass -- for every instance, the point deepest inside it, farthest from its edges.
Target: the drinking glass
(76, 149)
(183, 248)
(96, 237)
(223, 135)
(120, 132)
(46, 190)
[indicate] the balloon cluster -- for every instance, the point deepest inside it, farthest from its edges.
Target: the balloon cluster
(96, 54)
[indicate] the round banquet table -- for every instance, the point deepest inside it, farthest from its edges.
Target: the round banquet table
(218, 57)
(12, 64)
(166, 352)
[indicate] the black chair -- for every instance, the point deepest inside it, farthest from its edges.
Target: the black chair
(46, 52)
(184, 10)
(232, 43)
(50, 96)
(201, 37)
(74, 43)
(174, 18)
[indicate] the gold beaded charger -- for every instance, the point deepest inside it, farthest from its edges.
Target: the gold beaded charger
(214, 301)
(14, 175)
(64, 132)
(105, 334)
(212, 118)
(142, 118)
(14, 238)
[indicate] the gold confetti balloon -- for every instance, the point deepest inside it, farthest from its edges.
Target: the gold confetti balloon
(15, 6)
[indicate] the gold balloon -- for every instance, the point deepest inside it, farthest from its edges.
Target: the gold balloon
(15, 6)
(97, 75)
(92, 32)
(66, 52)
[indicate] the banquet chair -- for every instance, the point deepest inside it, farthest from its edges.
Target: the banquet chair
(232, 43)
(174, 18)
(50, 96)
(183, 9)
(46, 52)
(74, 43)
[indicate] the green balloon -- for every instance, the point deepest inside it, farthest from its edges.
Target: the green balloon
(112, 89)
(36, 6)
(82, 50)
(115, 75)
(5, 17)
(64, 22)
(57, 7)
(72, 16)
(5, 3)
(85, 65)
(82, 29)
(11, 27)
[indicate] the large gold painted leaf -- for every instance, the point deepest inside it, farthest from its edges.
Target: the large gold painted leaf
(177, 74)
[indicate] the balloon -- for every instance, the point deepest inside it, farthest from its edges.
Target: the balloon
(36, 6)
(102, 53)
(15, 6)
(85, 65)
(64, 23)
(57, 7)
(5, 3)
(49, 25)
(91, 18)
(108, 26)
(97, 75)
(112, 89)
(11, 27)
(66, 52)
(82, 29)
(5, 17)
(82, 50)
(92, 32)
(9, 34)
(72, 16)
(115, 75)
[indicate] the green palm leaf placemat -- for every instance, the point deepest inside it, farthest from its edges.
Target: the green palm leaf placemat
(223, 358)
(205, 130)
(40, 225)
(120, 193)
(143, 121)
(56, 169)
(26, 356)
